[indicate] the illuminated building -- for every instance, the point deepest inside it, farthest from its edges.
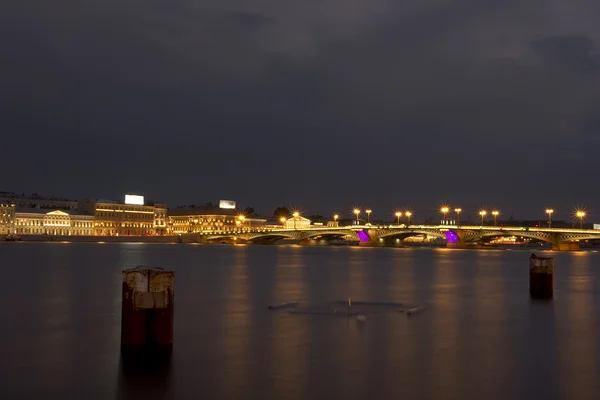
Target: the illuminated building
(199, 220)
(31, 221)
(7, 219)
(131, 218)
(297, 222)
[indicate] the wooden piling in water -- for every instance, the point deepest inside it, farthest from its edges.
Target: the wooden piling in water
(147, 312)
(541, 277)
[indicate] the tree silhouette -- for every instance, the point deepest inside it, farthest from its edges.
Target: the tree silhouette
(249, 211)
(281, 212)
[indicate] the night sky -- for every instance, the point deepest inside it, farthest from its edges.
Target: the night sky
(318, 104)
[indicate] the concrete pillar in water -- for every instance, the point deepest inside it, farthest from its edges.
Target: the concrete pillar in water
(147, 311)
(541, 273)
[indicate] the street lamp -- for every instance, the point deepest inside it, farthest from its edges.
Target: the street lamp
(495, 214)
(457, 211)
(282, 219)
(357, 212)
(398, 215)
(408, 215)
(242, 219)
(335, 218)
(296, 214)
(368, 216)
(483, 214)
(581, 216)
(444, 210)
(549, 211)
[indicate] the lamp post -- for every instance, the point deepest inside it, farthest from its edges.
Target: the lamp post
(357, 212)
(282, 219)
(495, 214)
(458, 211)
(581, 216)
(368, 216)
(398, 215)
(483, 214)
(444, 211)
(296, 214)
(335, 218)
(408, 215)
(242, 219)
(549, 211)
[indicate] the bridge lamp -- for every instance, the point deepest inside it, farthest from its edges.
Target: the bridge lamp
(282, 221)
(296, 214)
(357, 212)
(408, 215)
(457, 211)
(581, 216)
(549, 211)
(483, 213)
(398, 215)
(444, 210)
(495, 214)
(368, 215)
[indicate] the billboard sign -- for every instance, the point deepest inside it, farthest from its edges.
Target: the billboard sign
(134, 199)
(227, 204)
(596, 226)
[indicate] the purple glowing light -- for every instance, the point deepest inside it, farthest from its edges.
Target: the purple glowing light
(363, 236)
(451, 236)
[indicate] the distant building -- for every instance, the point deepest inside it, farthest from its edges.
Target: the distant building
(30, 221)
(7, 219)
(112, 218)
(298, 222)
(200, 220)
(37, 201)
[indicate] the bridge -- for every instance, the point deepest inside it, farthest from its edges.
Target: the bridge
(462, 236)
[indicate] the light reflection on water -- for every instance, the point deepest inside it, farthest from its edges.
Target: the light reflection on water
(481, 336)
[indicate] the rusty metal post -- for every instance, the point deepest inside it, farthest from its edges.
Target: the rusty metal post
(147, 311)
(541, 273)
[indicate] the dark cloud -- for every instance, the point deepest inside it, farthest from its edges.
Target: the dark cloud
(320, 104)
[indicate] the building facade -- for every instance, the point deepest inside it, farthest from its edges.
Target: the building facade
(120, 219)
(57, 222)
(7, 219)
(198, 220)
(298, 222)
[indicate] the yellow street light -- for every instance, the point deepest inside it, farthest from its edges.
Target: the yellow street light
(282, 219)
(483, 214)
(335, 217)
(296, 214)
(357, 212)
(457, 211)
(398, 215)
(368, 216)
(408, 215)
(444, 210)
(495, 214)
(581, 215)
(549, 211)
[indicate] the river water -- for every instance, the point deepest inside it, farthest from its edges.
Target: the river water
(480, 336)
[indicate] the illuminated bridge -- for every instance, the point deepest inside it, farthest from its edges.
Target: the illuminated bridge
(462, 236)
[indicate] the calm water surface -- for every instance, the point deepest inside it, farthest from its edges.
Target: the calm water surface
(480, 337)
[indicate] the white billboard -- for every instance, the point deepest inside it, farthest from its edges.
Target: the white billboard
(596, 226)
(134, 199)
(228, 204)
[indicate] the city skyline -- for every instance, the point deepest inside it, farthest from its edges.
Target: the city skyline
(380, 104)
(444, 211)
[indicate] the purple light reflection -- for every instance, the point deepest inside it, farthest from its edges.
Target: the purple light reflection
(451, 236)
(363, 236)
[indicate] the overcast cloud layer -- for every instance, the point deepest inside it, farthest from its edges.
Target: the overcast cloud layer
(322, 104)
